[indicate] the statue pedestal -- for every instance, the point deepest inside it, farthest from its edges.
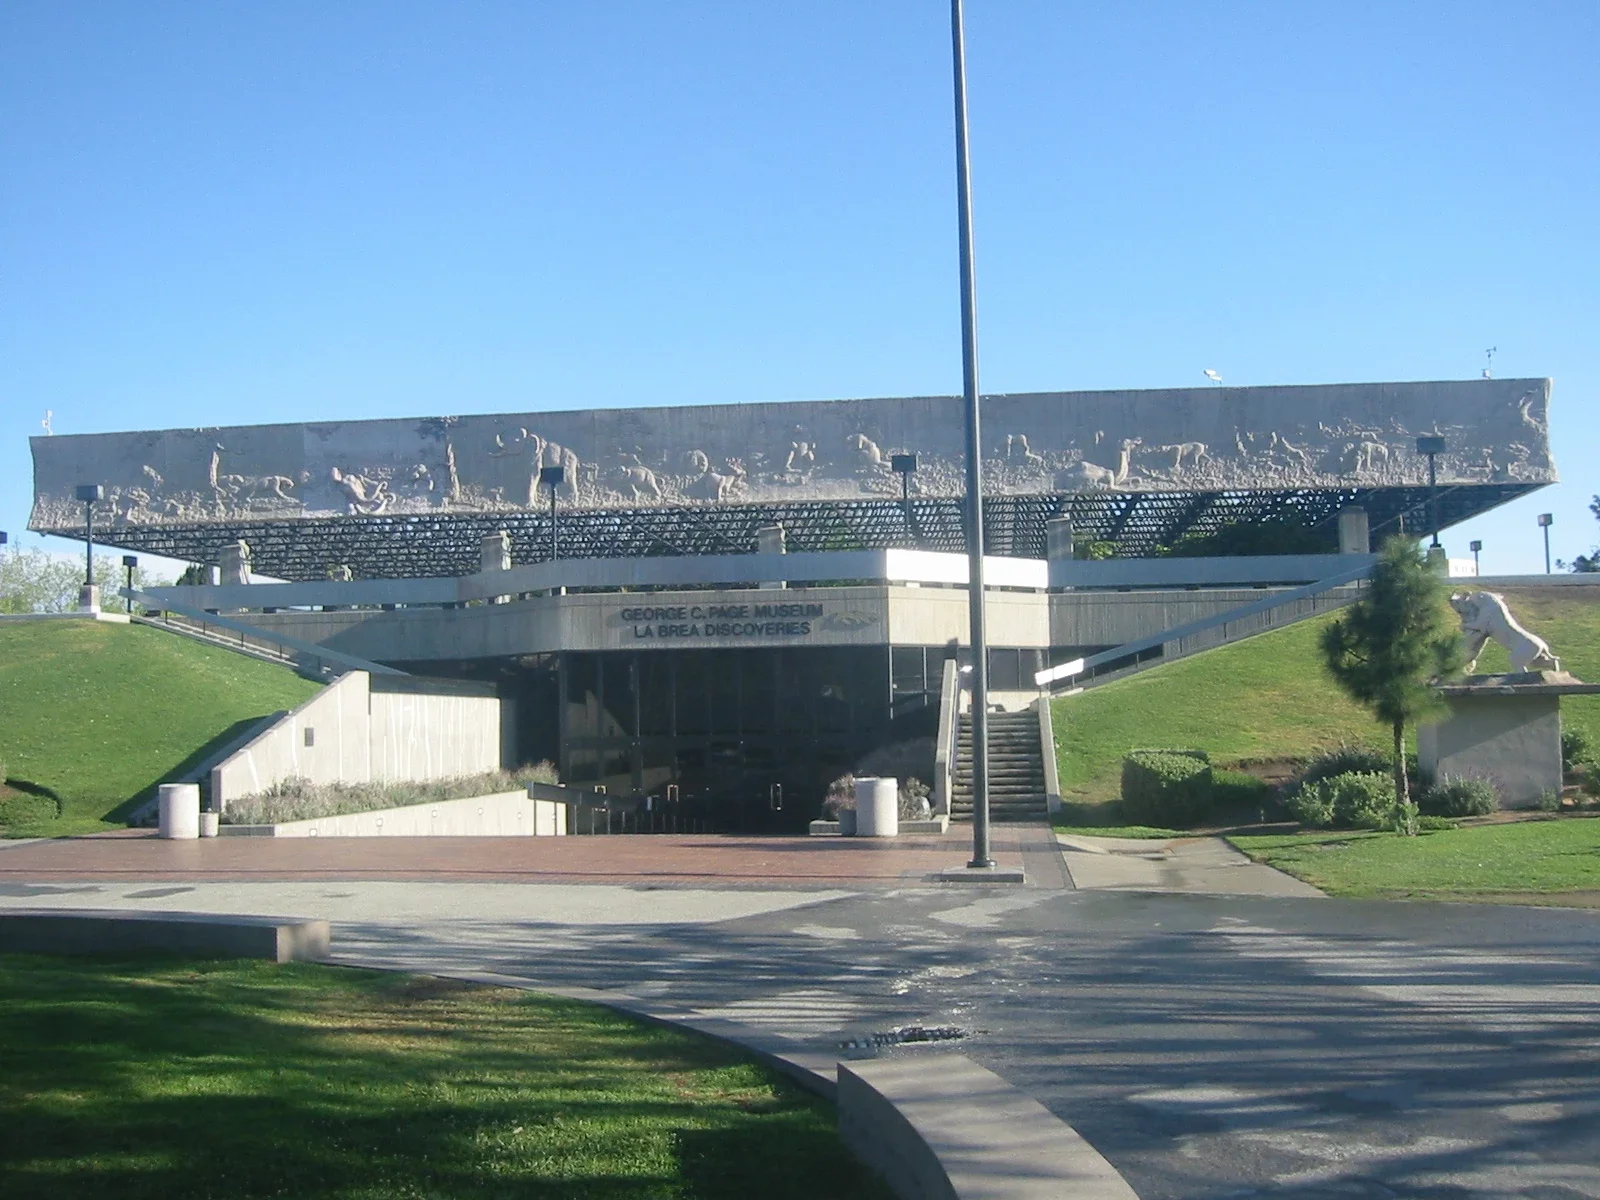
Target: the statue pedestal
(1505, 728)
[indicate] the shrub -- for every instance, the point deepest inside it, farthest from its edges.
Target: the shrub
(1436, 824)
(297, 799)
(1354, 800)
(1237, 789)
(1166, 787)
(24, 808)
(1454, 796)
(841, 795)
(1574, 749)
(915, 800)
(1344, 760)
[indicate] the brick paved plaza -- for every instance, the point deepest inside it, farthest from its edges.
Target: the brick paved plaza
(658, 860)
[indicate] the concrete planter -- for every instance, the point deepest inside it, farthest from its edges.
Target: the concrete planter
(877, 807)
(179, 808)
(504, 814)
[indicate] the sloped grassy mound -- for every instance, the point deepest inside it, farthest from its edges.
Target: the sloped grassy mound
(1267, 697)
(100, 713)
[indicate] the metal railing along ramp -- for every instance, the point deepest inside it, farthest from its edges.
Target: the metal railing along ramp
(254, 640)
(1067, 675)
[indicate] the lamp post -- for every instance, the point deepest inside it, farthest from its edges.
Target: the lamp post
(1432, 445)
(1475, 546)
(129, 562)
(969, 378)
(552, 478)
(90, 494)
(904, 464)
(1544, 524)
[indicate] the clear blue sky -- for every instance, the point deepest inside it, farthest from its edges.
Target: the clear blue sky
(221, 212)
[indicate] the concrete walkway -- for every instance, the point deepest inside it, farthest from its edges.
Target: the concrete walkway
(1206, 866)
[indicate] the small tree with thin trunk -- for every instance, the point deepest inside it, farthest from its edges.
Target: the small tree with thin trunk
(1388, 649)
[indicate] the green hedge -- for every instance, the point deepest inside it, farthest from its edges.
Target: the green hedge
(1166, 787)
(1354, 800)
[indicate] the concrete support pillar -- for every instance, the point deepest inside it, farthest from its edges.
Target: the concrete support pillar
(1354, 536)
(496, 556)
(771, 539)
(89, 598)
(1438, 560)
(235, 563)
(1058, 538)
(497, 551)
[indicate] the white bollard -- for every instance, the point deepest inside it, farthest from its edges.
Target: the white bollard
(209, 821)
(180, 810)
(877, 807)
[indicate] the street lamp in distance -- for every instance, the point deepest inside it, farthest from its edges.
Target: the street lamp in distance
(89, 494)
(1475, 546)
(1544, 524)
(1432, 445)
(904, 465)
(129, 562)
(552, 478)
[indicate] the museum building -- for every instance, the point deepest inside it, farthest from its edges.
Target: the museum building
(725, 607)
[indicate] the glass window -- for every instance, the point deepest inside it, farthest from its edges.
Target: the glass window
(582, 701)
(906, 666)
(655, 694)
(617, 719)
(690, 697)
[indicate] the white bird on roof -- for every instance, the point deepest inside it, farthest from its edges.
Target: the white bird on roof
(1213, 376)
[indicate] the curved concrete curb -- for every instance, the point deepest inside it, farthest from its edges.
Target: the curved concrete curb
(935, 1126)
(940, 1126)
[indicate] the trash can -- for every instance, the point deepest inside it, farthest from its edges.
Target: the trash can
(877, 807)
(179, 806)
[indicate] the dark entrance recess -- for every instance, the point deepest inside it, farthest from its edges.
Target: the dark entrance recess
(721, 740)
(726, 740)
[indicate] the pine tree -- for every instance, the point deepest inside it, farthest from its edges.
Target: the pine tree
(1388, 649)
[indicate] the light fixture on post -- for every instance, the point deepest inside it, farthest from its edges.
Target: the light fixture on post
(903, 465)
(552, 478)
(129, 562)
(89, 494)
(1475, 546)
(1432, 445)
(1544, 524)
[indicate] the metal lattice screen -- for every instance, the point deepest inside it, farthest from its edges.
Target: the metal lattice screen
(447, 544)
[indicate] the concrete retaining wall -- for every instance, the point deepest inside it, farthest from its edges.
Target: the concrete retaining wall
(91, 931)
(355, 732)
(505, 814)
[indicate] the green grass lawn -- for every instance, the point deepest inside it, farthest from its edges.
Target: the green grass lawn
(1268, 698)
(1536, 861)
(1265, 697)
(170, 1079)
(101, 713)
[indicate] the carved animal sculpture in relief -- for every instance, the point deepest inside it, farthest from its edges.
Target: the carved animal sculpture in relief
(1364, 457)
(1181, 452)
(363, 496)
(1484, 616)
(1280, 449)
(638, 478)
(1019, 452)
(1085, 476)
(868, 456)
(802, 458)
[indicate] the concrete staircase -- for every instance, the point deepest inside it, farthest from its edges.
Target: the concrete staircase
(1016, 769)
